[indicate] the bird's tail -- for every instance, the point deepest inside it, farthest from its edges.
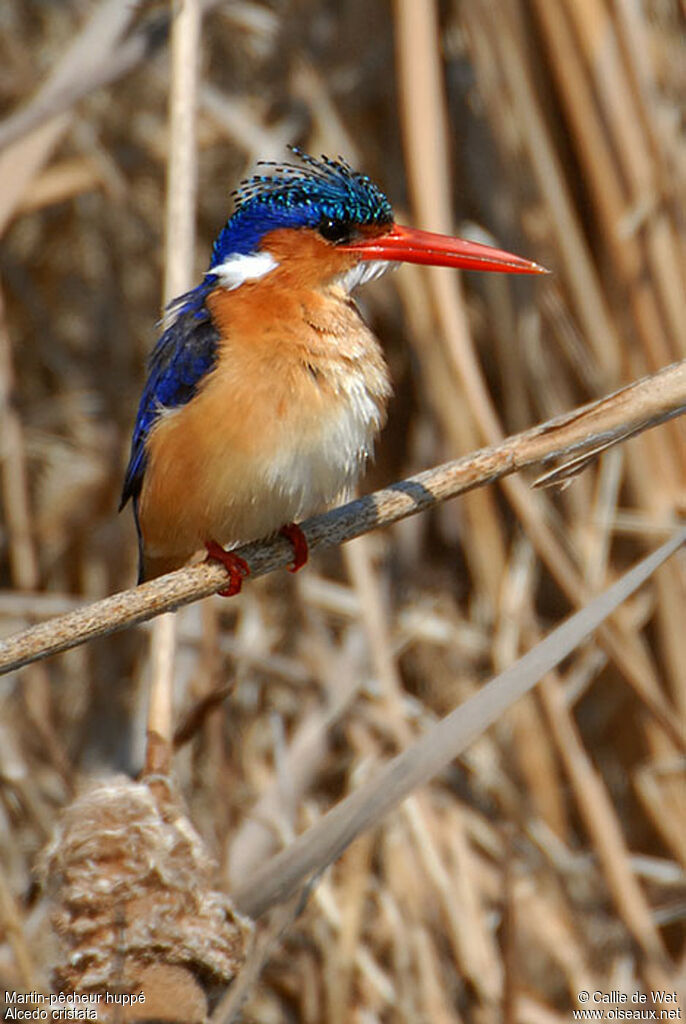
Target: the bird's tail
(149, 567)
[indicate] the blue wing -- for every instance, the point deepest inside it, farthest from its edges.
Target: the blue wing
(183, 356)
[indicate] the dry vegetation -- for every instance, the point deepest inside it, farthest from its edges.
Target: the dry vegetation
(549, 858)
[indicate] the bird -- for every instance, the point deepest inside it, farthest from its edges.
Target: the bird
(266, 390)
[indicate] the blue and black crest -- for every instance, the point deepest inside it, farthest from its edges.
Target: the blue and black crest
(324, 194)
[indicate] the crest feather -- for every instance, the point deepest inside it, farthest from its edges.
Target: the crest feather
(299, 195)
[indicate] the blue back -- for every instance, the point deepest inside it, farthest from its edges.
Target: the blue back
(182, 357)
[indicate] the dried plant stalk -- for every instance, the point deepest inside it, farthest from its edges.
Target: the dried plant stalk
(131, 885)
(310, 853)
(632, 409)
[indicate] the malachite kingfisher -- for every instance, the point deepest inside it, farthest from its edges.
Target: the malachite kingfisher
(266, 390)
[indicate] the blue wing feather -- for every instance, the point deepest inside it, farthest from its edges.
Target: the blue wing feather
(185, 353)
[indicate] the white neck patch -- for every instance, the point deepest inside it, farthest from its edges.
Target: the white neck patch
(362, 272)
(242, 267)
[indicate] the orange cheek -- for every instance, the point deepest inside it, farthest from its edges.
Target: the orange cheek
(306, 260)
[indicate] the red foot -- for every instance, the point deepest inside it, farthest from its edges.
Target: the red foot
(236, 567)
(298, 541)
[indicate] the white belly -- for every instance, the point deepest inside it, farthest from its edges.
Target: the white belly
(310, 465)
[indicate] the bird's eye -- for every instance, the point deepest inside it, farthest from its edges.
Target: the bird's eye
(334, 230)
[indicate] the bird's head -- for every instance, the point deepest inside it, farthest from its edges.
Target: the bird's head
(321, 221)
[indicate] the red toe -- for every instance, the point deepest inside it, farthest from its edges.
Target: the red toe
(298, 542)
(236, 567)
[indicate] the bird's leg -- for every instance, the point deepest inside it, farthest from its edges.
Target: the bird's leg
(236, 567)
(298, 541)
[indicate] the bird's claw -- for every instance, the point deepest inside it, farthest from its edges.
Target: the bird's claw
(298, 541)
(236, 567)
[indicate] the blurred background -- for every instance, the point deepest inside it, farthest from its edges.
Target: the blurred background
(549, 859)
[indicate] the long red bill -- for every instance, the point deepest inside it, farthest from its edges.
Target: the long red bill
(408, 245)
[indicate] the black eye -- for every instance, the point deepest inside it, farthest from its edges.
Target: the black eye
(335, 230)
